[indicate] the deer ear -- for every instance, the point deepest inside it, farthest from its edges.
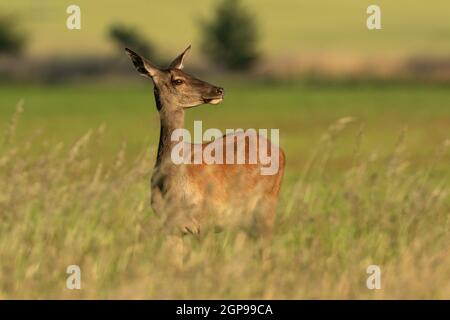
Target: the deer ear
(178, 62)
(142, 65)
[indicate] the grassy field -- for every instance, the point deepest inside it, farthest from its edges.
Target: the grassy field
(287, 27)
(75, 166)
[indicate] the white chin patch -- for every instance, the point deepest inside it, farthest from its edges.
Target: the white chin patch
(215, 101)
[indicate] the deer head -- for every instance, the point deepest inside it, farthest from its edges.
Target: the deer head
(175, 88)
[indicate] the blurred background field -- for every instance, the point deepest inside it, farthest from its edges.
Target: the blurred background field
(364, 119)
(296, 38)
(288, 27)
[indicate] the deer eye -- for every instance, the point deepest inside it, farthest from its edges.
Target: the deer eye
(177, 82)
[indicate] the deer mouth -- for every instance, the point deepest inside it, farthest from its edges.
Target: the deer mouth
(215, 100)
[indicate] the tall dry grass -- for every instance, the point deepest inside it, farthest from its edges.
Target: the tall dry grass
(61, 207)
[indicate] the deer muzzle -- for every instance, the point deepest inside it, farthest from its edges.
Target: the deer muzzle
(216, 97)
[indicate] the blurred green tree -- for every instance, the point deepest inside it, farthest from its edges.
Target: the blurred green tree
(12, 41)
(230, 39)
(124, 36)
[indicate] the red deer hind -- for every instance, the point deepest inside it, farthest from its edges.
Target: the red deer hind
(192, 196)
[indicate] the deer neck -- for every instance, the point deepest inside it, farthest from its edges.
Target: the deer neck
(170, 121)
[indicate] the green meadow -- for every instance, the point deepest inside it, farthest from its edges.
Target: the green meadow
(301, 112)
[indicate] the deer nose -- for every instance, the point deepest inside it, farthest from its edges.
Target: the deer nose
(220, 91)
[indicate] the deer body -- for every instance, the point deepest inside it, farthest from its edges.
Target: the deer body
(195, 195)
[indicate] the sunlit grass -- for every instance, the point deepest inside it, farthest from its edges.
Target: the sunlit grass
(70, 195)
